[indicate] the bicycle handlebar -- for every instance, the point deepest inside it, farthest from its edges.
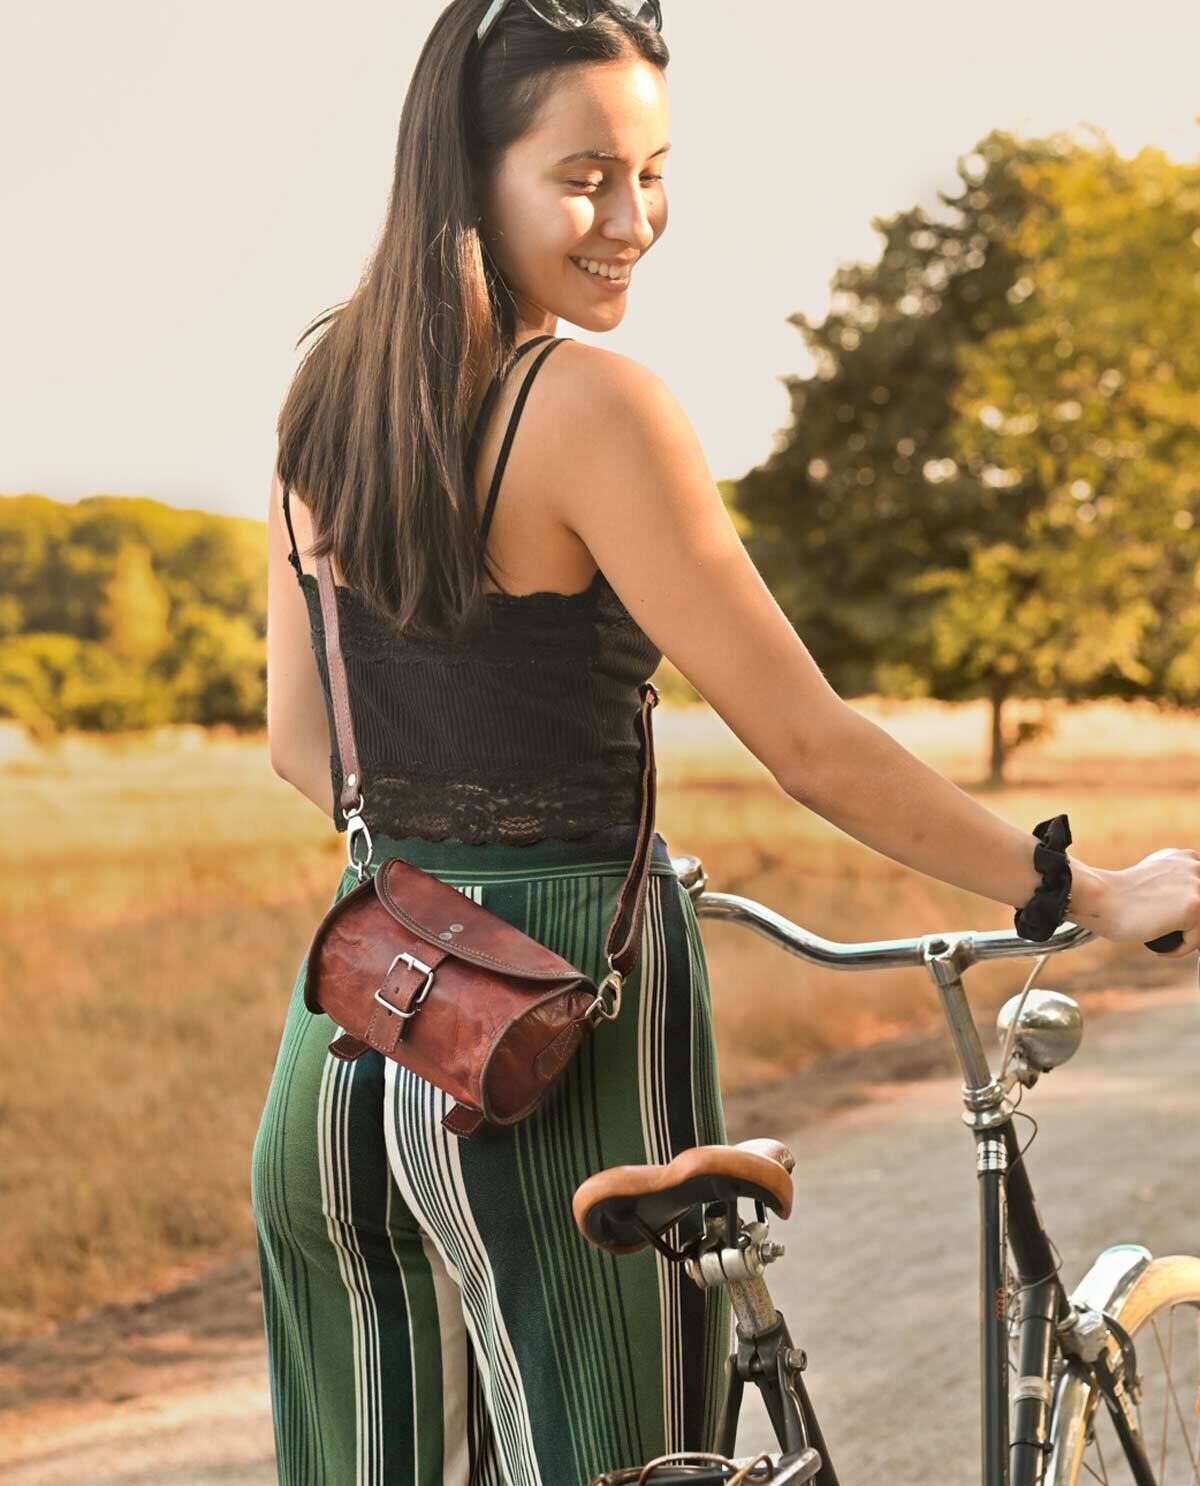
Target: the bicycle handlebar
(881, 954)
(999, 944)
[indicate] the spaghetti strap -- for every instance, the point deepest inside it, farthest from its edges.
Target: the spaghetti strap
(294, 554)
(510, 433)
(494, 391)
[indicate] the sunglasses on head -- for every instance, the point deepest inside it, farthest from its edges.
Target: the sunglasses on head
(567, 15)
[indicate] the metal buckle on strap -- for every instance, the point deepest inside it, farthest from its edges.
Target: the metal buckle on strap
(413, 964)
(599, 1008)
(356, 826)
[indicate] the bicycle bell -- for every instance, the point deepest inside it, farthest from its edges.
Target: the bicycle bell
(1049, 1028)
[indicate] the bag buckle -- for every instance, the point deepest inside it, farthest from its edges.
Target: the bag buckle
(413, 964)
(599, 1009)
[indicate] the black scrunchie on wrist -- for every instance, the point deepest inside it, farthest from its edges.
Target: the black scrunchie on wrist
(1047, 909)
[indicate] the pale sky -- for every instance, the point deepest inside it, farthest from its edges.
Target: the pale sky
(183, 187)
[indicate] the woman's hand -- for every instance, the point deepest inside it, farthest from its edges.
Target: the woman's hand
(1156, 895)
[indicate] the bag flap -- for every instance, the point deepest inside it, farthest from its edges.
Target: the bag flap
(438, 913)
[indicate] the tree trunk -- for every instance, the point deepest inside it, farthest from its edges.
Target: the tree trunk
(998, 687)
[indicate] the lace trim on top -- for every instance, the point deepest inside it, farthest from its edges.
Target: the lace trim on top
(478, 812)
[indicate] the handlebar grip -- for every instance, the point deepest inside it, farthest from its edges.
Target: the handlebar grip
(1165, 943)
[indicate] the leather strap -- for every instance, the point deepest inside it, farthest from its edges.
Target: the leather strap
(631, 905)
(462, 1120)
(339, 689)
(348, 1047)
(625, 932)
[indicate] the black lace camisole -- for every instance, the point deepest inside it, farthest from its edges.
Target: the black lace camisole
(527, 733)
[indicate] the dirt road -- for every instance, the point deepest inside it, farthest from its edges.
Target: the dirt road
(878, 1284)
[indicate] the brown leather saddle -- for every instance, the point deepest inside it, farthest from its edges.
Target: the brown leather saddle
(607, 1204)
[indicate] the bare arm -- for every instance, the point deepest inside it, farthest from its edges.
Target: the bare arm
(876, 791)
(872, 788)
(297, 724)
(645, 504)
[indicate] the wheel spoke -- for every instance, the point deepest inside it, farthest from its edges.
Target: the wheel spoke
(1162, 1456)
(1173, 1398)
(1194, 1450)
(1092, 1473)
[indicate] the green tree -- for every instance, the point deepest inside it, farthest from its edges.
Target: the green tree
(1085, 413)
(135, 608)
(124, 612)
(862, 495)
(216, 668)
(50, 682)
(924, 522)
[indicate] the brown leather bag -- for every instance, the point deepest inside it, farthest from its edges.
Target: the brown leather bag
(406, 964)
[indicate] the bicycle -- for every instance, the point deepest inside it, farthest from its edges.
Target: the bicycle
(1102, 1344)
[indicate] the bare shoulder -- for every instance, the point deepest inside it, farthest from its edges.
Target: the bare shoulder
(596, 381)
(629, 466)
(603, 417)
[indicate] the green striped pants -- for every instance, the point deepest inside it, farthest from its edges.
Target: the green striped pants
(433, 1317)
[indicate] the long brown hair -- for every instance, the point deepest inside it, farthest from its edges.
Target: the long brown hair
(374, 431)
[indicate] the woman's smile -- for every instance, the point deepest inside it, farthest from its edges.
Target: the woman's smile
(606, 279)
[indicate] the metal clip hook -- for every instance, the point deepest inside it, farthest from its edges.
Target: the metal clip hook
(356, 827)
(599, 1008)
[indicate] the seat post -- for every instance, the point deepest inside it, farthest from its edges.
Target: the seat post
(765, 1355)
(739, 1267)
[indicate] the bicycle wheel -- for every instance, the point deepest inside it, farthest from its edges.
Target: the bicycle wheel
(1161, 1313)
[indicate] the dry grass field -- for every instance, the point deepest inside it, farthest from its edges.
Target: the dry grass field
(158, 896)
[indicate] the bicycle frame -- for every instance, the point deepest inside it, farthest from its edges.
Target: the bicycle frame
(1010, 1222)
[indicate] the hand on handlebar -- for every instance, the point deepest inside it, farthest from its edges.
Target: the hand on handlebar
(1157, 901)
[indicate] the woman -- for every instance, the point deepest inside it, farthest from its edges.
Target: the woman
(431, 1313)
